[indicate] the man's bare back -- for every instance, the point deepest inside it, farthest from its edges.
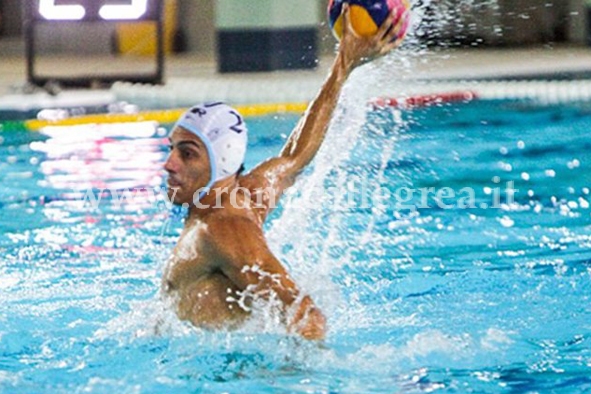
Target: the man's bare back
(222, 259)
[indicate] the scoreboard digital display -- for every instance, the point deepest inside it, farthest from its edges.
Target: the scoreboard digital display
(96, 10)
(72, 14)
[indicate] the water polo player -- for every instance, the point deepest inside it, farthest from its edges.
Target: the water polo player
(222, 261)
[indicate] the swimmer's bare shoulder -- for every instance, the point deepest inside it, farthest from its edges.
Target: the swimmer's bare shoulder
(241, 254)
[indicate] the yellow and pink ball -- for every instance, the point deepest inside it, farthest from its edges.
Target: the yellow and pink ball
(368, 15)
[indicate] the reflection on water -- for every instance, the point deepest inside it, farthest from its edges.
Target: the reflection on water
(119, 156)
(480, 300)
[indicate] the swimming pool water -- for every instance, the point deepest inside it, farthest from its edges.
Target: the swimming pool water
(449, 300)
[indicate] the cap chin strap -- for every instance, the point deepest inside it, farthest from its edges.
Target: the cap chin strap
(210, 152)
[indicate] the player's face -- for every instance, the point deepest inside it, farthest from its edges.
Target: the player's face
(187, 165)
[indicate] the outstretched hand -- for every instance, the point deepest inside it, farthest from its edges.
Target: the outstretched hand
(356, 50)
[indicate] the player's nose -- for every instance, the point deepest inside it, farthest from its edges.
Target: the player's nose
(171, 165)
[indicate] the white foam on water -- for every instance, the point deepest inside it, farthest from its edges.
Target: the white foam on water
(322, 229)
(324, 244)
(496, 338)
(453, 350)
(301, 210)
(146, 319)
(426, 342)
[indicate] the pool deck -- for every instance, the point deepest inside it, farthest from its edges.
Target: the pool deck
(191, 78)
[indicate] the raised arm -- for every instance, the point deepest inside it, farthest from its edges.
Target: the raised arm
(279, 173)
(305, 140)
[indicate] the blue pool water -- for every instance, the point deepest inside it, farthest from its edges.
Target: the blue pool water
(418, 300)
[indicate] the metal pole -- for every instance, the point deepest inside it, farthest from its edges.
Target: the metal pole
(29, 32)
(160, 42)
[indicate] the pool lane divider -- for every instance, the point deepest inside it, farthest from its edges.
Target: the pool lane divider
(424, 100)
(170, 116)
(160, 116)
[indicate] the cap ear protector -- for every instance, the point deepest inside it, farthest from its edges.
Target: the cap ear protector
(224, 134)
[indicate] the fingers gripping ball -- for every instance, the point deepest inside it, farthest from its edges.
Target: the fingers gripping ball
(368, 15)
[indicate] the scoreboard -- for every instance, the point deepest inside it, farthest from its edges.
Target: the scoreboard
(94, 10)
(75, 12)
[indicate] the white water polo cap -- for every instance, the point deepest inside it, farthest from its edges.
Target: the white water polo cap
(223, 131)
